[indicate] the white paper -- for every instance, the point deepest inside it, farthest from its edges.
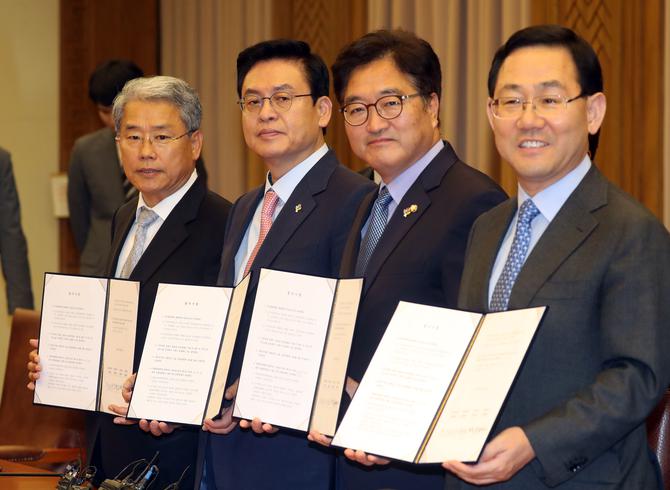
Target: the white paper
(406, 380)
(482, 386)
(73, 311)
(119, 341)
(179, 353)
(336, 356)
(284, 348)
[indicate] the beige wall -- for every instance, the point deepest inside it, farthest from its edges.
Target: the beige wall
(29, 130)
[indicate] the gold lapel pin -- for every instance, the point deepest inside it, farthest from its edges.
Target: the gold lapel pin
(298, 208)
(407, 211)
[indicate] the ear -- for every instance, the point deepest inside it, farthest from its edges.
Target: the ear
(489, 112)
(433, 107)
(196, 144)
(596, 106)
(325, 108)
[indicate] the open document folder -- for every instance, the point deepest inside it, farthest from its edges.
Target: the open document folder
(437, 382)
(87, 341)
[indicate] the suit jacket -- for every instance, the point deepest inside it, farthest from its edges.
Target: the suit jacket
(94, 193)
(310, 242)
(13, 248)
(419, 258)
(599, 362)
(186, 250)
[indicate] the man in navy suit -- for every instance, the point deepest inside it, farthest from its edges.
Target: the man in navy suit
(409, 235)
(297, 221)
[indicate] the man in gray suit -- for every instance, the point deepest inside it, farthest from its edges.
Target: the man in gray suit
(575, 418)
(96, 183)
(13, 248)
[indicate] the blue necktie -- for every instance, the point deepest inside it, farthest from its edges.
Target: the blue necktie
(516, 258)
(376, 225)
(144, 220)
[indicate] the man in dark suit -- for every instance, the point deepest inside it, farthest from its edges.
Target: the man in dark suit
(309, 199)
(172, 232)
(408, 237)
(575, 418)
(96, 183)
(13, 248)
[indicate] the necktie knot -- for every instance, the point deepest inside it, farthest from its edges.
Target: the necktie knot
(376, 225)
(270, 201)
(384, 198)
(146, 217)
(527, 212)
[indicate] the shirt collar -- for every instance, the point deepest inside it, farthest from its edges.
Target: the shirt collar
(550, 200)
(285, 186)
(165, 207)
(401, 184)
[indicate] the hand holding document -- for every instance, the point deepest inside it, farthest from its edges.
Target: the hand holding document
(436, 383)
(87, 339)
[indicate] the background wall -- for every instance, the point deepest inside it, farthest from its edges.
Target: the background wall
(29, 35)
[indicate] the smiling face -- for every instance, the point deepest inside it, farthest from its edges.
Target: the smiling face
(283, 139)
(542, 150)
(156, 171)
(390, 145)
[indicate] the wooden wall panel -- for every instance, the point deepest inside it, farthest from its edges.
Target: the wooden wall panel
(93, 31)
(327, 26)
(628, 37)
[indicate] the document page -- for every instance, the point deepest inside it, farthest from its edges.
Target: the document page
(218, 389)
(119, 341)
(73, 311)
(336, 357)
(406, 380)
(180, 353)
(482, 386)
(284, 348)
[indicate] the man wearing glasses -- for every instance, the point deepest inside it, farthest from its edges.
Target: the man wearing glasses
(575, 418)
(408, 238)
(296, 221)
(171, 232)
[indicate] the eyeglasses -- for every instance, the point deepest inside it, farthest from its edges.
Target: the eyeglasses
(388, 107)
(544, 105)
(133, 140)
(280, 101)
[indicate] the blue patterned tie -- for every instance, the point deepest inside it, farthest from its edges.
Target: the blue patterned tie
(378, 219)
(516, 258)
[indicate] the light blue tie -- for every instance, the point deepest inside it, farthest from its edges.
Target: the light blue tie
(144, 220)
(516, 258)
(378, 219)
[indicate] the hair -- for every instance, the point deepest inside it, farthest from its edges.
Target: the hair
(108, 79)
(589, 72)
(161, 89)
(316, 71)
(412, 55)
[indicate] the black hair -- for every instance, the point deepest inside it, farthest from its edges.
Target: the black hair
(108, 79)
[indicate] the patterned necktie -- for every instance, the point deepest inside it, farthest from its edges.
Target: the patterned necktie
(269, 204)
(516, 257)
(145, 219)
(378, 219)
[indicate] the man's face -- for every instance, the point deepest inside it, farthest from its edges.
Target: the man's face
(390, 145)
(542, 150)
(283, 138)
(157, 171)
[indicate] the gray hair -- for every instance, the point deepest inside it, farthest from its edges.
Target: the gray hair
(161, 89)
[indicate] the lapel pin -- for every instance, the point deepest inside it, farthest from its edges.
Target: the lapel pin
(407, 211)
(298, 208)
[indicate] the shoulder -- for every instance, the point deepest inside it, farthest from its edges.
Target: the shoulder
(345, 178)
(215, 204)
(103, 135)
(4, 156)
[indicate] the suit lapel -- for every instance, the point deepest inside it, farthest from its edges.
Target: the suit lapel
(417, 197)
(567, 231)
(171, 233)
(296, 210)
(125, 217)
(243, 215)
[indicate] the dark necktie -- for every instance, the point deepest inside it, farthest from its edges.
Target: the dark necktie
(376, 225)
